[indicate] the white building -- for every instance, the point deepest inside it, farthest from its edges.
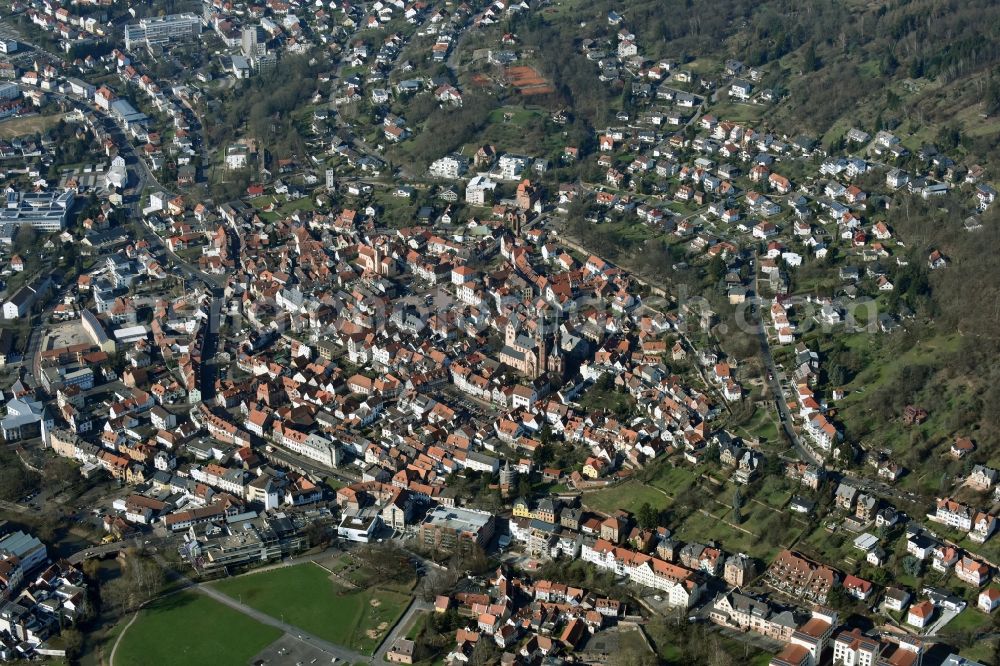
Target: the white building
(479, 191)
(512, 167)
(359, 529)
(989, 600)
(29, 550)
(741, 90)
(227, 480)
(162, 30)
(852, 648)
(449, 166)
(81, 88)
(312, 446)
(22, 300)
(117, 175)
(678, 584)
(920, 615)
(953, 514)
(237, 156)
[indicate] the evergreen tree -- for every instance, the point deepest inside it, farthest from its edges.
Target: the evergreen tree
(647, 517)
(810, 61)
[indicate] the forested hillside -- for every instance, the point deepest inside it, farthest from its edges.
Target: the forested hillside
(836, 63)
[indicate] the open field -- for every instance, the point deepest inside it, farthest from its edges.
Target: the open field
(278, 207)
(673, 480)
(629, 496)
(27, 125)
(762, 426)
(882, 364)
(970, 619)
(765, 526)
(307, 596)
(598, 397)
(189, 629)
(740, 111)
(515, 115)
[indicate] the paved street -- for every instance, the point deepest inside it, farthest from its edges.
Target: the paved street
(145, 180)
(306, 466)
(210, 345)
(774, 379)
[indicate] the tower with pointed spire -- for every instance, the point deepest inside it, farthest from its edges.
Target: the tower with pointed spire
(556, 365)
(508, 478)
(540, 346)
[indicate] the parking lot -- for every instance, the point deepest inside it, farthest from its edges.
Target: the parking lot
(474, 406)
(289, 650)
(25, 55)
(87, 177)
(65, 334)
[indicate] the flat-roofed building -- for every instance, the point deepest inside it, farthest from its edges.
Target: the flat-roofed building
(453, 528)
(45, 211)
(162, 30)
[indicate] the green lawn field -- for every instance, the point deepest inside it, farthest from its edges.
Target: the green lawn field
(188, 629)
(305, 595)
(629, 496)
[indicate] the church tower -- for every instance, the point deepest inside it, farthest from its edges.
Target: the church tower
(557, 362)
(541, 351)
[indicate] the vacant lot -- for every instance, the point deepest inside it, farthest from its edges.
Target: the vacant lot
(27, 125)
(308, 596)
(189, 629)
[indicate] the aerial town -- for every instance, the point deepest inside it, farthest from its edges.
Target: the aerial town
(368, 332)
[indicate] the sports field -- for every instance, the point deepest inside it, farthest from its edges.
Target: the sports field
(308, 596)
(189, 629)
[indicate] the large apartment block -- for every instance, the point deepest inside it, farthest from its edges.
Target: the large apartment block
(162, 30)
